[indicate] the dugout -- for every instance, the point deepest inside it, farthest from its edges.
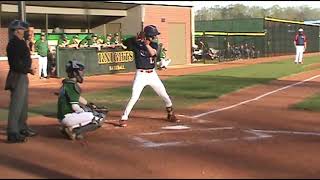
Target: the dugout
(271, 36)
(174, 20)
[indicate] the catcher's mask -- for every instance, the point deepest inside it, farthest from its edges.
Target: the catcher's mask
(75, 69)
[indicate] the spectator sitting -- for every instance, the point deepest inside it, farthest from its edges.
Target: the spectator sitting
(74, 43)
(90, 41)
(116, 39)
(63, 41)
(108, 42)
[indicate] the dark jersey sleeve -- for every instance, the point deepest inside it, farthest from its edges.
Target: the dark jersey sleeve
(19, 56)
(154, 45)
(130, 43)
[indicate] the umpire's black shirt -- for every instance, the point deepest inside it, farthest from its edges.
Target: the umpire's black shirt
(18, 55)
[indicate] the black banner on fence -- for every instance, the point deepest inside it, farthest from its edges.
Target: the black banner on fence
(105, 61)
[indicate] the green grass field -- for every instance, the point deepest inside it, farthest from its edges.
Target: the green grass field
(202, 87)
(309, 104)
(192, 89)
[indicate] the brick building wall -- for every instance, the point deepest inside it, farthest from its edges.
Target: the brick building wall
(154, 14)
(3, 41)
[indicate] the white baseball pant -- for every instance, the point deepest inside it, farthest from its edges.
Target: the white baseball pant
(43, 62)
(141, 80)
(299, 53)
(74, 120)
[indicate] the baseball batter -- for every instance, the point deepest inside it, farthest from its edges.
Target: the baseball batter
(145, 50)
(300, 42)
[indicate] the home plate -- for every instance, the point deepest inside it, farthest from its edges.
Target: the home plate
(176, 127)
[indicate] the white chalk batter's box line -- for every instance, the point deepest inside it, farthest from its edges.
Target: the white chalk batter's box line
(258, 134)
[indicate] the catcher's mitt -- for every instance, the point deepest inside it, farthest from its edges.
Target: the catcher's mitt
(94, 107)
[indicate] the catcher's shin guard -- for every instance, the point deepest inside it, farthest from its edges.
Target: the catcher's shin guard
(89, 127)
(171, 116)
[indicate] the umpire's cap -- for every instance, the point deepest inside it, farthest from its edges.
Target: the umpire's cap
(17, 24)
(151, 31)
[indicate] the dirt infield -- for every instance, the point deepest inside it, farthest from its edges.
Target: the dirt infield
(251, 133)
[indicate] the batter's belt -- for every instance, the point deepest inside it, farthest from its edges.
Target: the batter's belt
(146, 70)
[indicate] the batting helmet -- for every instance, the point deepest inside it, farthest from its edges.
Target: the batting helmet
(151, 31)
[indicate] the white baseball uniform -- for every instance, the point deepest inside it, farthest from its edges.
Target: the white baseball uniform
(145, 75)
(300, 40)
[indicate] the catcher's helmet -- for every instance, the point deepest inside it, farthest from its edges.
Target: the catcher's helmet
(151, 31)
(73, 69)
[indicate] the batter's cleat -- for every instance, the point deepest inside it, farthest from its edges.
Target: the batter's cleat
(171, 117)
(123, 123)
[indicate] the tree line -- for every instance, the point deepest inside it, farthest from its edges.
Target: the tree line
(301, 13)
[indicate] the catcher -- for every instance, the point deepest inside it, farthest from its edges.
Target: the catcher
(75, 114)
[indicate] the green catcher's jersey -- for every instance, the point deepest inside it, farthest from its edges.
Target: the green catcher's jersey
(69, 94)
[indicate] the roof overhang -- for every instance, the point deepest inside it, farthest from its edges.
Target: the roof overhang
(165, 3)
(63, 10)
(66, 14)
(78, 4)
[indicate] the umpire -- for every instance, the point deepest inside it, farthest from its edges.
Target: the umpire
(17, 82)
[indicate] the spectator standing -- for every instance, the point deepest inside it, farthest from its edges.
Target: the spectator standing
(42, 49)
(300, 43)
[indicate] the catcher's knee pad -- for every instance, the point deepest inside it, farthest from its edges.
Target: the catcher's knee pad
(99, 119)
(96, 123)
